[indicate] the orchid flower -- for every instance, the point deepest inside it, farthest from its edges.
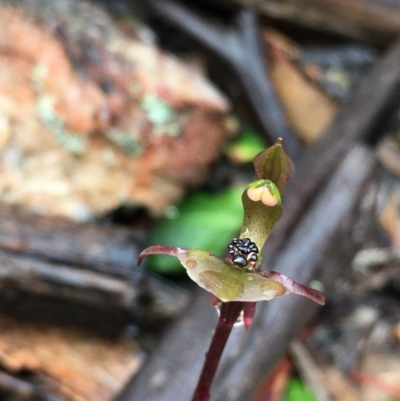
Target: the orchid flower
(237, 281)
(238, 277)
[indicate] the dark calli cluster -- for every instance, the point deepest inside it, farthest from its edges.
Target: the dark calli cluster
(243, 252)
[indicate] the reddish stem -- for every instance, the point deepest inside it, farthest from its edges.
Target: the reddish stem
(229, 314)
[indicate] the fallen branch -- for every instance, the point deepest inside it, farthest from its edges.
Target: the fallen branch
(238, 44)
(372, 21)
(58, 270)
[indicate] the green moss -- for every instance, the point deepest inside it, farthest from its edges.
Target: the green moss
(297, 391)
(73, 142)
(160, 115)
(125, 140)
(157, 111)
(245, 146)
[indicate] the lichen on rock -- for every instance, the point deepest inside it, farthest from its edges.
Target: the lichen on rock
(93, 115)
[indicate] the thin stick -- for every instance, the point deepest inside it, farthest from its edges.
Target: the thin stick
(240, 45)
(229, 314)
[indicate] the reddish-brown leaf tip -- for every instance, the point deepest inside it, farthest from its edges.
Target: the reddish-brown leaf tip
(295, 287)
(160, 250)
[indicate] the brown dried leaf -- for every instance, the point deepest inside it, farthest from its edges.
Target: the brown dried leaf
(309, 111)
(81, 366)
(389, 219)
(380, 376)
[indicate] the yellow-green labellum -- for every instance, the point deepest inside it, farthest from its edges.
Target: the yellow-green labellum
(273, 288)
(227, 281)
(198, 254)
(191, 264)
(224, 287)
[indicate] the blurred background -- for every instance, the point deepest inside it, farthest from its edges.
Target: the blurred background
(130, 123)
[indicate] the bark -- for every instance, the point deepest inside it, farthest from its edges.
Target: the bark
(375, 22)
(172, 371)
(55, 269)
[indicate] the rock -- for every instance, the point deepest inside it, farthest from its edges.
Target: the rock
(93, 114)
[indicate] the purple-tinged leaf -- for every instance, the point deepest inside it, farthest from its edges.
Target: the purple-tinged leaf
(295, 287)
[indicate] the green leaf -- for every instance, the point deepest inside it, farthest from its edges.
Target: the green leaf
(297, 391)
(221, 285)
(203, 221)
(273, 164)
(245, 147)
